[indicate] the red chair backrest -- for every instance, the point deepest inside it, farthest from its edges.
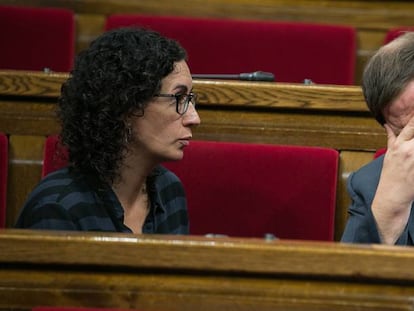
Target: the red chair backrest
(248, 190)
(37, 38)
(54, 156)
(395, 32)
(379, 152)
(4, 163)
(293, 52)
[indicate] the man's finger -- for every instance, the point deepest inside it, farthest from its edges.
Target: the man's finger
(391, 137)
(408, 131)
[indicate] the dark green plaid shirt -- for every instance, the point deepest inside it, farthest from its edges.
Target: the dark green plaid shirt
(64, 200)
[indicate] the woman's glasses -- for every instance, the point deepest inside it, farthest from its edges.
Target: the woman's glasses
(182, 101)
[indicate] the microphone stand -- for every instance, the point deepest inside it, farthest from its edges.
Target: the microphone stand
(253, 76)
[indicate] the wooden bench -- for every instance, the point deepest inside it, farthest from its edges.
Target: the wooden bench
(372, 19)
(150, 272)
(262, 112)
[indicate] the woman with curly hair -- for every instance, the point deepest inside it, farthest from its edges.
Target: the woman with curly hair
(127, 107)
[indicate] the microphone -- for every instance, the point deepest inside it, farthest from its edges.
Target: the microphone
(252, 76)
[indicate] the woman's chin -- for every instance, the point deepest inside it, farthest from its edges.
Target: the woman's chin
(177, 156)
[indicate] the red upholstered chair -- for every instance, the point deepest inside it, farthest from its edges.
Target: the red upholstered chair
(4, 163)
(379, 152)
(248, 190)
(293, 52)
(54, 156)
(396, 32)
(36, 38)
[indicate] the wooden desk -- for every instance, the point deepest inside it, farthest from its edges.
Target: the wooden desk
(197, 273)
(274, 113)
(371, 18)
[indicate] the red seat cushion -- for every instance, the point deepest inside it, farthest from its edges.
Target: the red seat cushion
(249, 190)
(37, 38)
(293, 52)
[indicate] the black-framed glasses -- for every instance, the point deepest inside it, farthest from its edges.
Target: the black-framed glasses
(182, 101)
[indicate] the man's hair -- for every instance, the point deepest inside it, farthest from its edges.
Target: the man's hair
(387, 74)
(113, 79)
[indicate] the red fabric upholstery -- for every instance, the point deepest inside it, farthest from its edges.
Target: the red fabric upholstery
(249, 190)
(36, 38)
(4, 159)
(396, 32)
(54, 156)
(379, 152)
(291, 51)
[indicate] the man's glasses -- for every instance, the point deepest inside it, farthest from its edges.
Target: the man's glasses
(182, 101)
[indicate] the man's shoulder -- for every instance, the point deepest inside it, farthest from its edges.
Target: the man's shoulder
(367, 177)
(371, 169)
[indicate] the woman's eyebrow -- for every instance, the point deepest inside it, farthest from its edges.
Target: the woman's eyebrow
(181, 87)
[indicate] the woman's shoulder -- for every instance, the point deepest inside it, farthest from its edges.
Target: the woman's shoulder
(164, 174)
(57, 186)
(165, 180)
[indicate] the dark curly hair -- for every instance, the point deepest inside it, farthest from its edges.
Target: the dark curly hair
(113, 79)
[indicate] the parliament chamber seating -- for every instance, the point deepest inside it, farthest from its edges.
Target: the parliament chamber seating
(291, 51)
(4, 159)
(37, 38)
(250, 190)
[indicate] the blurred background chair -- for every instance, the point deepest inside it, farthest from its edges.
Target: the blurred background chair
(37, 38)
(380, 152)
(395, 32)
(249, 190)
(292, 51)
(4, 163)
(54, 156)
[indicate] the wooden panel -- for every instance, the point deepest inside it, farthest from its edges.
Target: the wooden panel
(88, 27)
(25, 164)
(349, 161)
(156, 272)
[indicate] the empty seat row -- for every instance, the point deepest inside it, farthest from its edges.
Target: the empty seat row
(291, 51)
(44, 39)
(39, 38)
